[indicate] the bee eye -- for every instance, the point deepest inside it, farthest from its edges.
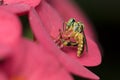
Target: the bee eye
(70, 22)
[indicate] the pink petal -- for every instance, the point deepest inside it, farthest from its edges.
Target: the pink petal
(4, 52)
(40, 64)
(3, 76)
(45, 40)
(50, 18)
(90, 58)
(74, 67)
(32, 3)
(94, 57)
(60, 75)
(10, 36)
(69, 10)
(17, 8)
(10, 31)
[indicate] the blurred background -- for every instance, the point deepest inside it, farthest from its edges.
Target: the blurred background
(105, 16)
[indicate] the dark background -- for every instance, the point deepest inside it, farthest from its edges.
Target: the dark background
(105, 15)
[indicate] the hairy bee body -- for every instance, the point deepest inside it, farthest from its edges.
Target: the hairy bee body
(73, 35)
(80, 41)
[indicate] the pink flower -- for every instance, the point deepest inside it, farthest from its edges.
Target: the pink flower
(41, 34)
(22, 59)
(52, 14)
(53, 18)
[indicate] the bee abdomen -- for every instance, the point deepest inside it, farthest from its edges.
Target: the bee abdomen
(80, 46)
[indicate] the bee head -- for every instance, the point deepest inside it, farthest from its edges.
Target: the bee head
(70, 23)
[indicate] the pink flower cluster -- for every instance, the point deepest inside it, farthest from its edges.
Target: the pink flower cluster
(23, 59)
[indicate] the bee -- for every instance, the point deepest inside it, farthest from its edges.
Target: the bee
(72, 34)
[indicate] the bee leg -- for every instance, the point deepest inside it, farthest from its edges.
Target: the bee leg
(64, 42)
(73, 43)
(57, 41)
(78, 53)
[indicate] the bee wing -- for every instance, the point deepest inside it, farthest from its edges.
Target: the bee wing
(85, 42)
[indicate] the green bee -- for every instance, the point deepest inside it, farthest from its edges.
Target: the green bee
(73, 35)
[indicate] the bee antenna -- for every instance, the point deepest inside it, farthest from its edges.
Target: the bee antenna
(63, 26)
